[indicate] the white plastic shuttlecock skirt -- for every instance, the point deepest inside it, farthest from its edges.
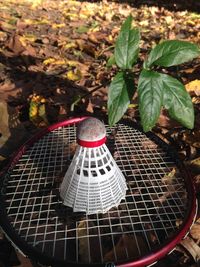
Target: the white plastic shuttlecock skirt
(93, 182)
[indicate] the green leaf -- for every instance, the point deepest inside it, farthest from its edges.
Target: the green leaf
(119, 95)
(82, 29)
(150, 92)
(177, 101)
(172, 53)
(111, 61)
(42, 113)
(127, 45)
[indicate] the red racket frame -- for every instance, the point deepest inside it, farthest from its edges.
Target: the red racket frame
(31, 252)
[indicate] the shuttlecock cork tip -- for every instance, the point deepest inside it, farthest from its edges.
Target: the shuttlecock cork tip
(91, 132)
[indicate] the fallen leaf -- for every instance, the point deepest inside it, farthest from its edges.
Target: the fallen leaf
(83, 241)
(168, 178)
(190, 23)
(193, 138)
(2, 158)
(82, 29)
(35, 3)
(73, 75)
(169, 19)
(86, 13)
(193, 87)
(86, 47)
(43, 22)
(165, 121)
(189, 244)
(15, 45)
(92, 37)
(7, 90)
(54, 61)
(72, 63)
(3, 36)
(70, 16)
(90, 107)
(132, 105)
(195, 100)
(70, 45)
(33, 110)
(45, 40)
(13, 21)
(42, 113)
(195, 230)
(37, 22)
(29, 21)
(7, 27)
(196, 180)
(58, 26)
(37, 111)
(49, 61)
(194, 164)
(144, 23)
(129, 243)
(4, 125)
(30, 51)
(27, 38)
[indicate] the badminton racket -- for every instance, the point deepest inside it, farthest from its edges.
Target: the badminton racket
(157, 213)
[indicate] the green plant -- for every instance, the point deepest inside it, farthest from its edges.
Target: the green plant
(155, 90)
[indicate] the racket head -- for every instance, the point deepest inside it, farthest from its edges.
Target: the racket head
(158, 211)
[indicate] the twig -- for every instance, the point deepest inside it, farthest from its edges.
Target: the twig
(79, 98)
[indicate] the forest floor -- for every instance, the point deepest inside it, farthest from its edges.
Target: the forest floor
(54, 54)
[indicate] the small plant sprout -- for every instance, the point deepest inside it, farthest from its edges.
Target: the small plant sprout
(155, 90)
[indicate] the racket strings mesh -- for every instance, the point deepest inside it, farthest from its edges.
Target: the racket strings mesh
(154, 208)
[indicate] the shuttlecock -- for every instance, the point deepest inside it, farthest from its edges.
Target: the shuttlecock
(93, 182)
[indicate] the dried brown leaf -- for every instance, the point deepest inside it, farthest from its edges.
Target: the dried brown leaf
(195, 230)
(193, 138)
(98, 37)
(194, 164)
(86, 247)
(165, 121)
(3, 36)
(88, 48)
(168, 178)
(193, 87)
(4, 125)
(130, 243)
(196, 100)
(194, 250)
(83, 241)
(15, 45)
(90, 107)
(197, 183)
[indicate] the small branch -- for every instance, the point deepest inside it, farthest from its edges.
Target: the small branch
(93, 90)
(79, 98)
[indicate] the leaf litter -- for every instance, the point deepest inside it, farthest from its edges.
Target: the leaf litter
(54, 56)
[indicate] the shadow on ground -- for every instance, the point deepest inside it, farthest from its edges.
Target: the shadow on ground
(15, 126)
(173, 5)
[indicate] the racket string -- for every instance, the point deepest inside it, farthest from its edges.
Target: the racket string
(154, 203)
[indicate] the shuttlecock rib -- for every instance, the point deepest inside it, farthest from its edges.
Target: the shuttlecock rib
(93, 182)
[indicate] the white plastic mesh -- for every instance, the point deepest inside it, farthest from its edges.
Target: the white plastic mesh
(93, 182)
